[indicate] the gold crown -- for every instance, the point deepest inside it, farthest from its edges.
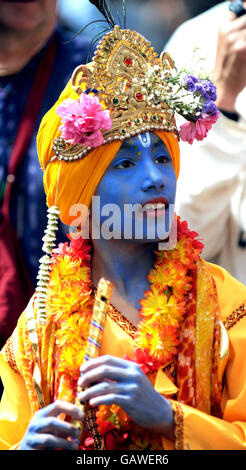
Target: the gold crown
(131, 81)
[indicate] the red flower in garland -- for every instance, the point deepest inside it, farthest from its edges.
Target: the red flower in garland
(112, 438)
(81, 248)
(78, 247)
(147, 363)
(183, 229)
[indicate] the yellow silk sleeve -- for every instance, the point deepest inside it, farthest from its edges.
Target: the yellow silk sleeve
(195, 430)
(15, 412)
(198, 431)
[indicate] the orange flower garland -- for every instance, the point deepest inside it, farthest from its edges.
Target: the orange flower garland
(164, 305)
(70, 306)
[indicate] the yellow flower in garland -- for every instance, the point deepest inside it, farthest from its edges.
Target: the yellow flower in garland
(148, 338)
(111, 412)
(185, 254)
(71, 340)
(68, 299)
(70, 306)
(171, 274)
(187, 250)
(160, 307)
(161, 343)
(66, 268)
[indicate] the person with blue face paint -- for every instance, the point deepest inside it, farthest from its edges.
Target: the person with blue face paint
(141, 175)
(164, 377)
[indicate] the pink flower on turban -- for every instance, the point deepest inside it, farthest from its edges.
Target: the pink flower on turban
(197, 130)
(83, 120)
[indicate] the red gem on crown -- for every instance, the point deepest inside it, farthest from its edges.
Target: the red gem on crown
(139, 96)
(128, 61)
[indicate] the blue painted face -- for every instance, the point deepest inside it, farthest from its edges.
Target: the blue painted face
(136, 187)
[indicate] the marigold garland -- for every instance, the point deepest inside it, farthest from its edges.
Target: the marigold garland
(70, 304)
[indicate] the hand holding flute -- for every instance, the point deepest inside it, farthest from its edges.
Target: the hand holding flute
(93, 345)
(46, 430)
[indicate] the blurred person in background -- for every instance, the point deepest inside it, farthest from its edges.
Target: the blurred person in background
(195, 7)
(157, 27)
(35, 64)
(212, 196)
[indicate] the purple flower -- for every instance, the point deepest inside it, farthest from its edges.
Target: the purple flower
(210, 108)
(190, 82)
(207, 89)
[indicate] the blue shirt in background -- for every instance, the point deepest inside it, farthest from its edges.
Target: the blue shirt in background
(28, 205)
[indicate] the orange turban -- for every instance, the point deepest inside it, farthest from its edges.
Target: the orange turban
(69, 183)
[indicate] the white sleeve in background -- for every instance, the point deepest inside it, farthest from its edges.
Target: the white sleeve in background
(212, 181)
(199, 32)
(211, 192)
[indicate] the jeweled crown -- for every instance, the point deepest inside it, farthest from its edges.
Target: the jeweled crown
(132, 82)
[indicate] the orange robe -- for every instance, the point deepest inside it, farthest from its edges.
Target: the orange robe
(194, 429)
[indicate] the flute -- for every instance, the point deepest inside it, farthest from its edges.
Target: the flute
(102, 299)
